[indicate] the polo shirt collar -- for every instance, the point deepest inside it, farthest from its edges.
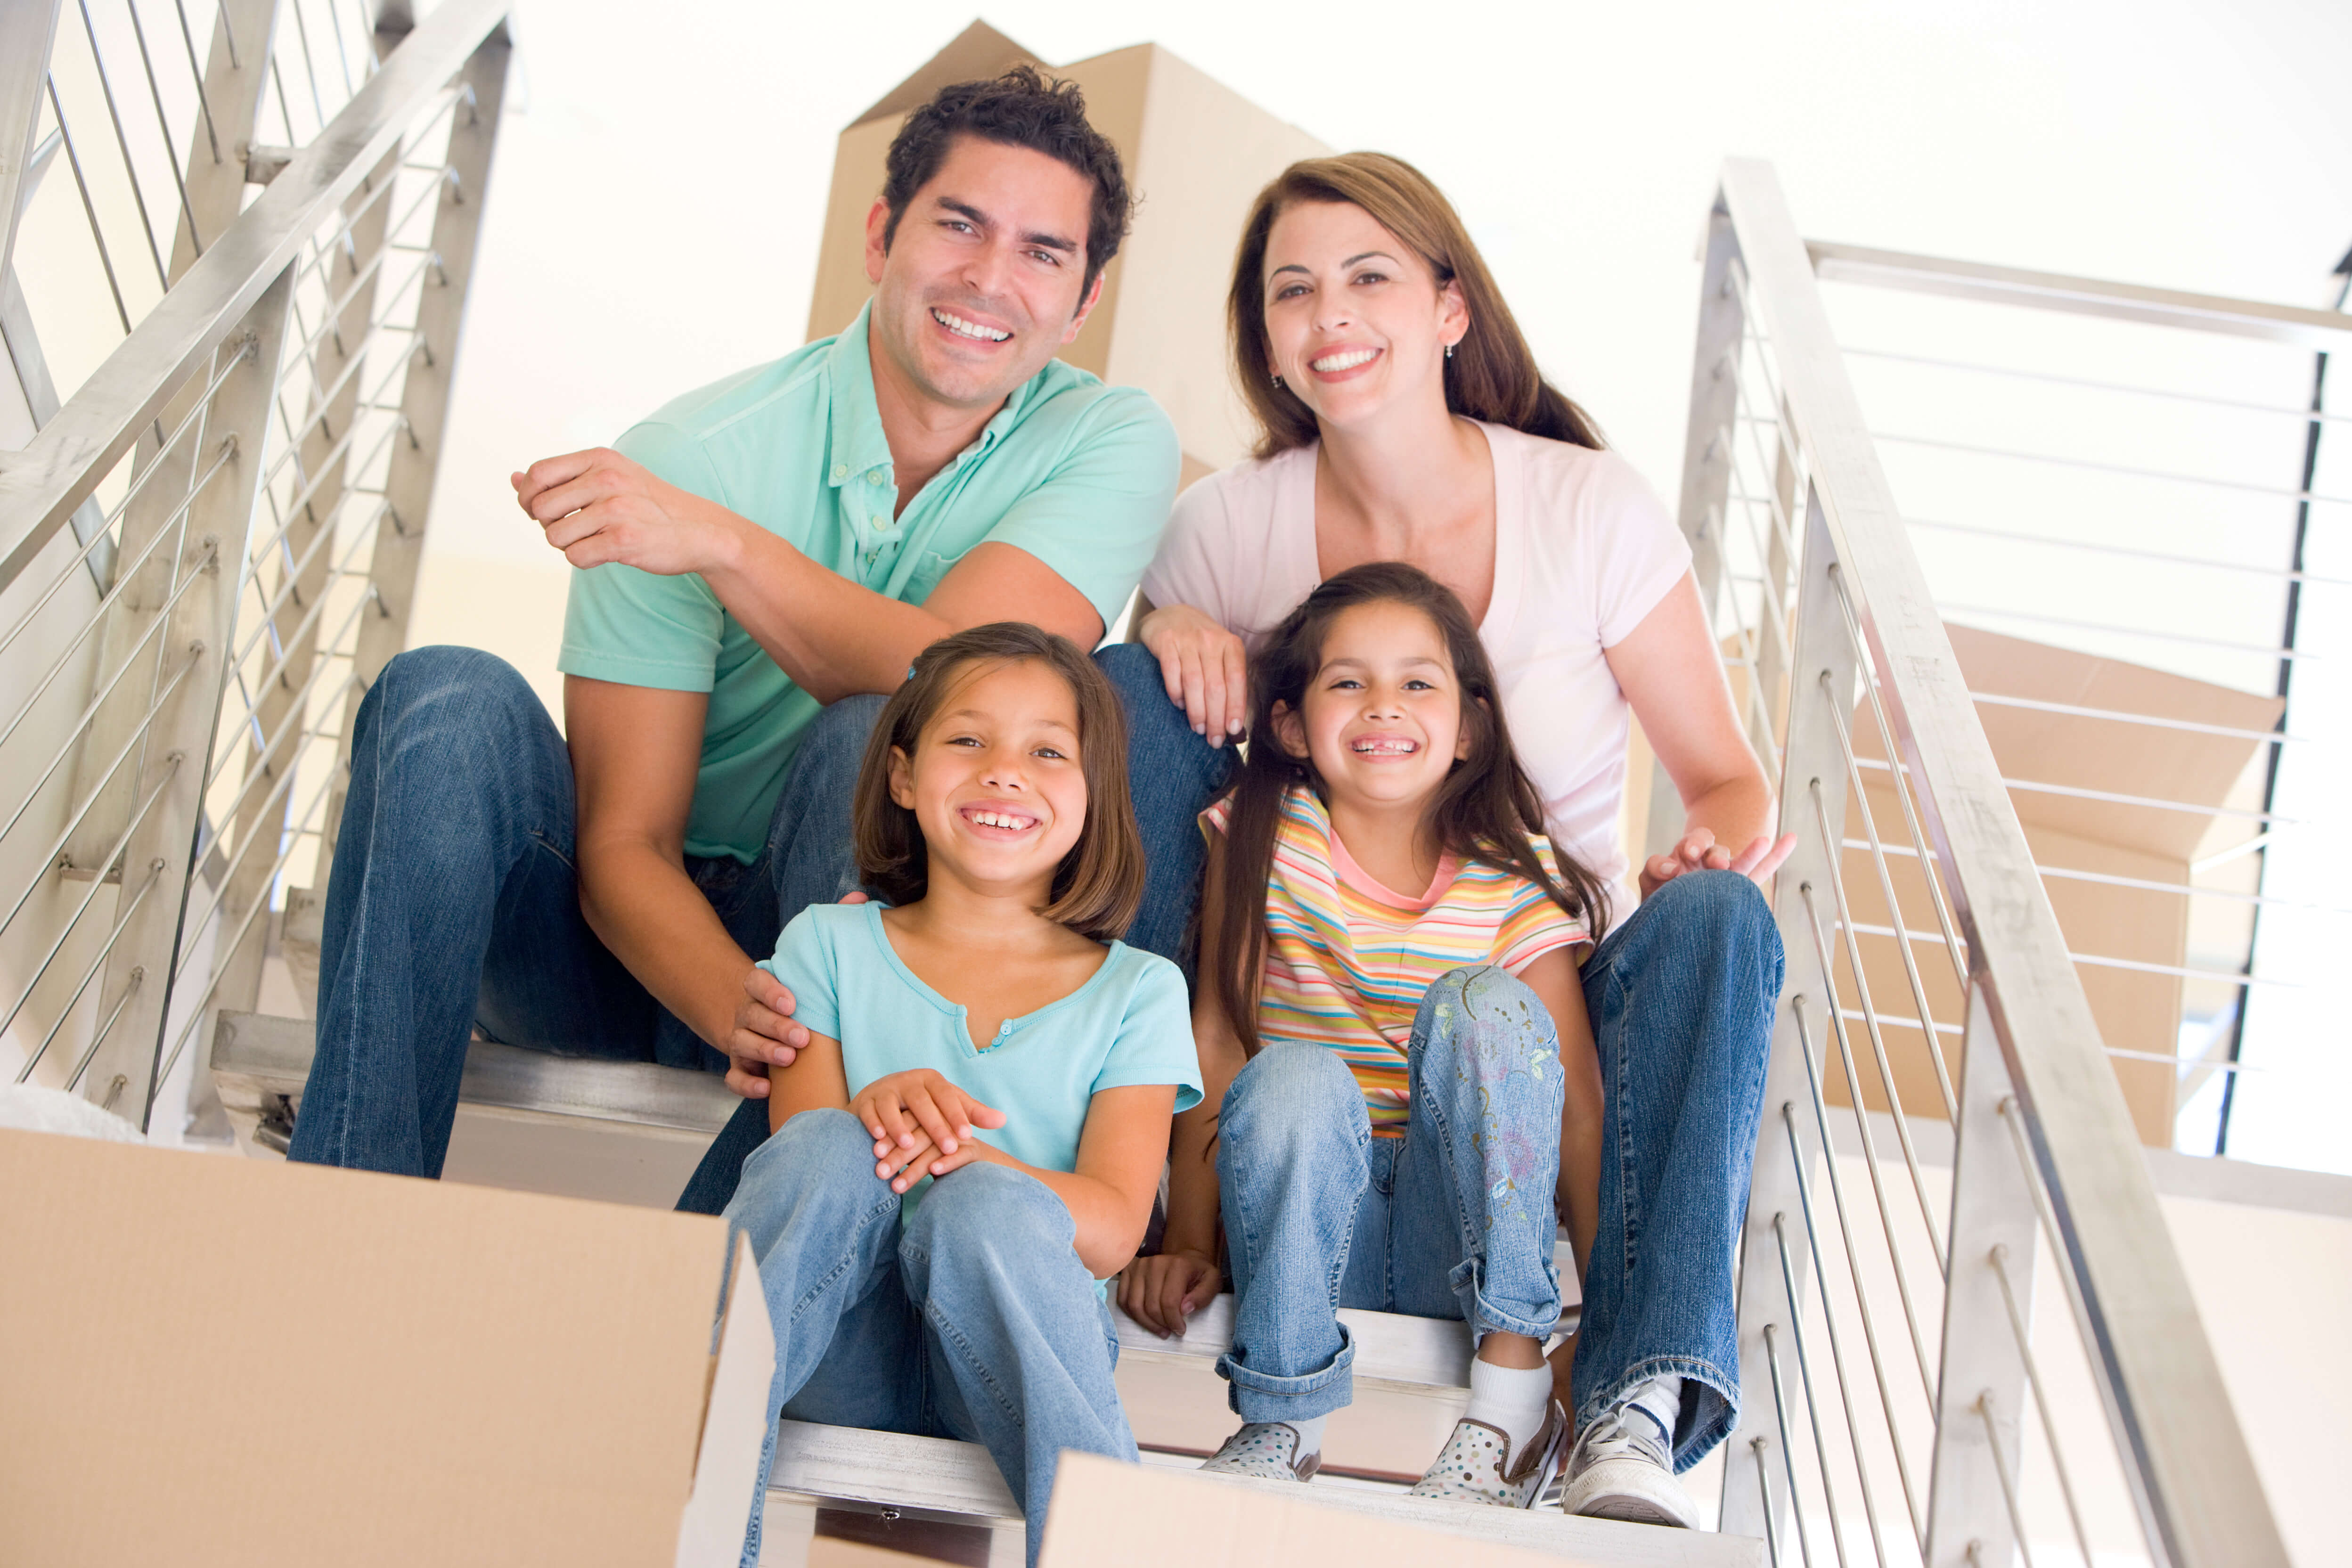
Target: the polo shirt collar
(857, 444)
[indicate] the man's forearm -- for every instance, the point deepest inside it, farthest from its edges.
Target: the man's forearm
(645, 907)
(833, 636)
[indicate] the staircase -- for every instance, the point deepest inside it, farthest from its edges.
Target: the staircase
(207, 553)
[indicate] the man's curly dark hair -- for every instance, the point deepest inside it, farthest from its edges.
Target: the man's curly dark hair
(1023, 108)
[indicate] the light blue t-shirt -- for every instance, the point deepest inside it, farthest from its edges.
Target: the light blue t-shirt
(1127, 1025)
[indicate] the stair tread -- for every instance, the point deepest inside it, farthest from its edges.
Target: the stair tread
(1415, 1356)
(941, 1476)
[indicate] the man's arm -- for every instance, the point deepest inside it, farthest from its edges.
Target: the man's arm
(832, 636)
(635, 754)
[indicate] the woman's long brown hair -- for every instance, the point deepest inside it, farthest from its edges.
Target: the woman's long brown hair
(1492, 375)
(1483, 813)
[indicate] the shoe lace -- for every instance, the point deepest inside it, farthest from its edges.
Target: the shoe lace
(1626, 1426)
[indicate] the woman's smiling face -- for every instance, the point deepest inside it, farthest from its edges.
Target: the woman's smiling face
(995, 780)
(1382, 717)
(1354, 320)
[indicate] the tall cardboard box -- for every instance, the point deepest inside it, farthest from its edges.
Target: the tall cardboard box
(212, 1361)
(1196, 153)
(2136, 1003)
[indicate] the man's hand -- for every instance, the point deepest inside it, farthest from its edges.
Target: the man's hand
(1698, 851)
(764, 1035)
(907, 1112)
(598, 507)
(1161, 1292)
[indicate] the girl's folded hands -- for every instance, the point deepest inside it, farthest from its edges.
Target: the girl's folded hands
(921, 1124)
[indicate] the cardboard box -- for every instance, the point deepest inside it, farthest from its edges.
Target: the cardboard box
(1196, 154)
(2138, 1009)
(213, 1361)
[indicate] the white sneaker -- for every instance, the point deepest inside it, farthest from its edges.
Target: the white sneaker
(1268, 1450)
(1477, 1464)
(1624, 1468)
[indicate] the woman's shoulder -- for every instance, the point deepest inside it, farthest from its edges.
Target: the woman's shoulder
(1558, 470)
(1247, 497)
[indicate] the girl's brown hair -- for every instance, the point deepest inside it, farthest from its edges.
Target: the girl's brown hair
(1492, 375)
(1099, 882)
(1484, 812)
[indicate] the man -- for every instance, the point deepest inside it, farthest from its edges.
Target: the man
(760, 560)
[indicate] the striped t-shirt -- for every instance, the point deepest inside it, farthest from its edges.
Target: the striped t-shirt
(1348, 961)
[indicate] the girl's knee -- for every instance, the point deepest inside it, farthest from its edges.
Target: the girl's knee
(985, 1210)
(1295, 1080)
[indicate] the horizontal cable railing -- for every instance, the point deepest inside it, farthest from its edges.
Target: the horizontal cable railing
(1891, 1336)
(246, 476)
(2191, 563)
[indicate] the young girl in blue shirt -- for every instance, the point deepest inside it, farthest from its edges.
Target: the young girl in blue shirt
(971, 1142)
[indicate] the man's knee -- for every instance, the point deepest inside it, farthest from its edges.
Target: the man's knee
(1134, 673)
(450, 697)
(824, 773)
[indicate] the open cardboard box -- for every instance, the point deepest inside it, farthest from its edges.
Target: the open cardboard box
(2136, 1009)
(209, 1361)
(1196, 154)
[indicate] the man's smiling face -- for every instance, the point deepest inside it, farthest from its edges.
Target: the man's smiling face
(982, 283)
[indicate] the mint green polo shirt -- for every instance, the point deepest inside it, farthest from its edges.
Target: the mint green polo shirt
(1079, 474)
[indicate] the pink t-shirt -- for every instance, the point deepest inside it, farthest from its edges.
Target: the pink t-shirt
(1583, 550)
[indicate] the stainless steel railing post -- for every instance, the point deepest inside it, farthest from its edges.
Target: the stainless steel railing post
(1822, 651)
(180, 735)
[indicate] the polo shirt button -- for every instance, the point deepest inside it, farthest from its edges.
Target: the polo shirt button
(841, 470)
(874, 477)
(881, 522)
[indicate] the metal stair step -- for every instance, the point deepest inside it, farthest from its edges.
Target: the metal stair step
(939, 1478)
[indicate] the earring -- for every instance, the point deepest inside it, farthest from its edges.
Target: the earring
(1449, 351)
(1277, 381)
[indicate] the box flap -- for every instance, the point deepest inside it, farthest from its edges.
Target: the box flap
(2111, 755)
(977, 53)
(734, 1423)
(211, 1360)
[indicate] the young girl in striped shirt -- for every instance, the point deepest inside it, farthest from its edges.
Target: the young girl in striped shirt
(1402, 1092)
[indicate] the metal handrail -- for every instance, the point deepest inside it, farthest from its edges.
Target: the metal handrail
(2078, 295)
(2184, 1457)
(41, 486)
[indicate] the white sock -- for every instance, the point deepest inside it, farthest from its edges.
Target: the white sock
(1515, 1400)
(1661, 1399)
(1310, 1435)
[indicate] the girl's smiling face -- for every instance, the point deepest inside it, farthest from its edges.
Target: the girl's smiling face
(995, 780)
(1381, 718)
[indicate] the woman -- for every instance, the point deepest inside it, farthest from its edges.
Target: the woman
(1403, 418)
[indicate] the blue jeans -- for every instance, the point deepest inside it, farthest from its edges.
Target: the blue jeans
(1453, 1220)
(974, 1320)
(1681, 998)
(453, 901)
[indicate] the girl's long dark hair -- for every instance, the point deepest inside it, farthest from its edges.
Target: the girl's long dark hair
(1483, 813)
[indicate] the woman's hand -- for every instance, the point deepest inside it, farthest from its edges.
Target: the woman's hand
(1204, 668)
(1160, 1292)
(1698, 851)
(908, 1110)
(599, 507)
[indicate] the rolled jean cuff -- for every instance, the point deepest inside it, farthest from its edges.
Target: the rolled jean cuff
(1719, 1405)
(1262, 1396)
(1484, 1316)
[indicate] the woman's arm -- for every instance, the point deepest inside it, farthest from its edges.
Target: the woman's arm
(1161, 1291)
(1554, 979)
(1672, 673)
(816, 1082)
